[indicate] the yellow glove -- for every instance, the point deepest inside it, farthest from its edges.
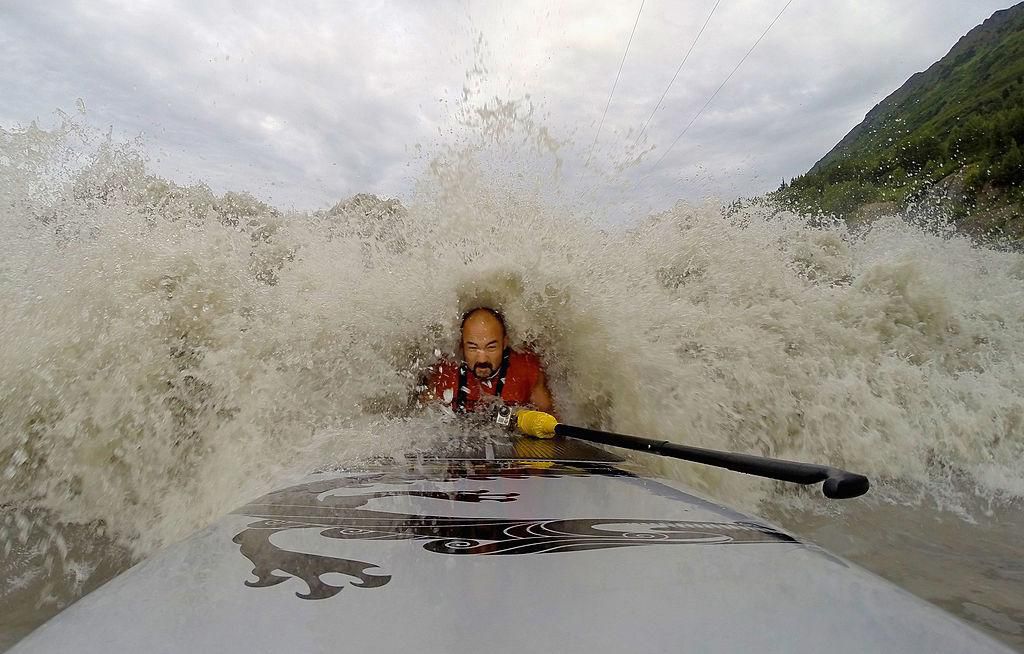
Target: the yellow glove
(536, 423)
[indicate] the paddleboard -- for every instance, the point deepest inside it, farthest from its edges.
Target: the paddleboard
(512, 544)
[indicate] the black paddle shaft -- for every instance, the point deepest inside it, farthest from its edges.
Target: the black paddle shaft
(839, 484)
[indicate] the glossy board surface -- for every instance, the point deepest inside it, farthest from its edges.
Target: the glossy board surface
(500, 553)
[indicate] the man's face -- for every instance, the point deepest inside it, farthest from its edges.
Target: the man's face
(483, 341)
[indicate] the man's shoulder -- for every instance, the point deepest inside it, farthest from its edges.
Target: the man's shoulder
(526, 357)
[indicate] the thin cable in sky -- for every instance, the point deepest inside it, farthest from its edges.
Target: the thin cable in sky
(616, 83)
(720, 86)
(672, 81)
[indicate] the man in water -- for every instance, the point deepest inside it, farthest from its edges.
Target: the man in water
(490, 369)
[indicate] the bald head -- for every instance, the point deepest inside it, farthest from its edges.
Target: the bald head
(483, 341)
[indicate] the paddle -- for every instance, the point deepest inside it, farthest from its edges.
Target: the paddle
(839, 484)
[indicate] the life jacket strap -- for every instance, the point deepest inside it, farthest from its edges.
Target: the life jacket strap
(502, 372)
(459, 404)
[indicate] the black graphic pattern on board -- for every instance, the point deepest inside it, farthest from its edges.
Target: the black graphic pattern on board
(341, 517)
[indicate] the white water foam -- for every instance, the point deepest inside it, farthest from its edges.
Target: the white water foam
(167, 353)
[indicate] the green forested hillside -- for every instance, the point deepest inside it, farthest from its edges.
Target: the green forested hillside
(951, 136)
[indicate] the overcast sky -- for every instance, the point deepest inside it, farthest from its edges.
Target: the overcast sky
(304, 103)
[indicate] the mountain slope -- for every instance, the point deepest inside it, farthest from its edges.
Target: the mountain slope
(950, 136)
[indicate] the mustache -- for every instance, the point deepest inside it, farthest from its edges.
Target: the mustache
(485, 366)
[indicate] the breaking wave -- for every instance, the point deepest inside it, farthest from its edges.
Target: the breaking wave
(167, 353)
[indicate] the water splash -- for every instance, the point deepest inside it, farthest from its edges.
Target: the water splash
(167, 353)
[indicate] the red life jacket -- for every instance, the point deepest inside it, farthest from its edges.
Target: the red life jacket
(459, 387)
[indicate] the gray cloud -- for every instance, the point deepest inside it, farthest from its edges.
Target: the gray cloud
(305, 104)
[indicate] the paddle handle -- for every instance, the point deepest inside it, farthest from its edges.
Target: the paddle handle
(839, 484)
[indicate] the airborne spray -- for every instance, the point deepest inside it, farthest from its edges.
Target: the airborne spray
(168, 353)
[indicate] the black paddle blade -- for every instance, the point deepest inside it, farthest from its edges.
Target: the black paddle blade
(842, 485)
